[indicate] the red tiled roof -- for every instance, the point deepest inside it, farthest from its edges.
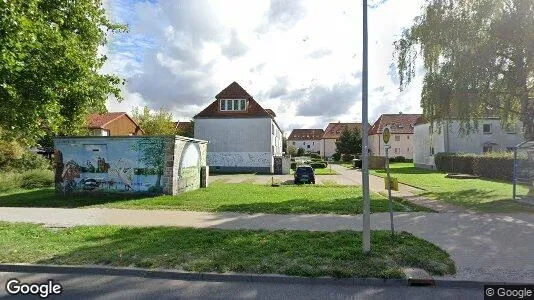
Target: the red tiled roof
(399, 123)
(99, 120)
(234, 91)
(334, 130)
(306, 134)
(184, 126)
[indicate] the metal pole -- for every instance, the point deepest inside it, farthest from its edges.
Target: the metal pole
(389, 192)
(365, 134)
(514, 178)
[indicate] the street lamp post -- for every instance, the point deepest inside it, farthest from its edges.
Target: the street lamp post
(365, 142)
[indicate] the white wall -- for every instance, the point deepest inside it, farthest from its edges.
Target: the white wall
(327, 147)
(240, 142)
(403, 147)
(452, 141)
(314, 145)
(474, 142)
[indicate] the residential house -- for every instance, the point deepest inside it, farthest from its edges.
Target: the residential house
(185, 128)
(331, 134)
(242, 135)
(401, 128)
(307, 139)
(112, 124)
(491, 136)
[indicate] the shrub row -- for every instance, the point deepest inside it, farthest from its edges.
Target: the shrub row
(498, 165)
(27, 180)
(400, 159)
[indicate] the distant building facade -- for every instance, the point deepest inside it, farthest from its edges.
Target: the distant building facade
(307, 139)
(327, 146)
(491, 136)
(112, 124)
(401, 128)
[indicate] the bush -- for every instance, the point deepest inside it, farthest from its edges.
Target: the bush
(26, 180)
(336, 156)
(31, 161)
(347, 157)
(300, 152)
(493, 165)
(37, 179)
(293, 165)
(496, 165)
(318, 165)
(315, 156)
(455, 163)
(10, 181)
(399, 159)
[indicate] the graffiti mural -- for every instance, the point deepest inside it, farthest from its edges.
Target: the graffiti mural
(110, 165)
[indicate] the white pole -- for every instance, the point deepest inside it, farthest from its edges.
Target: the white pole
(389, 192)
(365, 154)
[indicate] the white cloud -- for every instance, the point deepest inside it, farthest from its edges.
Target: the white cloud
(300, 58)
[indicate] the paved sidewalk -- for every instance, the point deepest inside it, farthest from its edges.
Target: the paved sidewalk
(486, 247)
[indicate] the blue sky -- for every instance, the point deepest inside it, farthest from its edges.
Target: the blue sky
(301, 58)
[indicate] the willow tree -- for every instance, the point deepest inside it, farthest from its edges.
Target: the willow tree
(50, 65)
(479, 61)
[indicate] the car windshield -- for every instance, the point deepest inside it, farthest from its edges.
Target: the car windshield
(304, 170)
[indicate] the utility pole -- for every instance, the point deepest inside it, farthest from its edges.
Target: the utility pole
(365, 142)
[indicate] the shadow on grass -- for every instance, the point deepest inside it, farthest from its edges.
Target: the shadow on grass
(352, 206)
(48, 198)
(476, 199)
(280, 252)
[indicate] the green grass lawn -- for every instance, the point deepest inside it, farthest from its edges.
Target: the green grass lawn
(335, 254)
(219, 196)
(479, 194)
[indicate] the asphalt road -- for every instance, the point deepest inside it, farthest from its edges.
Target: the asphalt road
(118, 287)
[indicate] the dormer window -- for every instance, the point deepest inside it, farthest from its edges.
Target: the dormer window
(233, 104)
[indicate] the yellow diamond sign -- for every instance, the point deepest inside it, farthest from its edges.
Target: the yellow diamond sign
(386, 135)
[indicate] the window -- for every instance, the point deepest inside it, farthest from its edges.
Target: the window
(486, 128)
(272, 129)
(397, 138)
(407, 149)
(293, 143)
(233, 104)
(396, 150)
(486, 149)
(407, 137)
(308, 146)
(431, 150)
(304, 143)
(313, 143)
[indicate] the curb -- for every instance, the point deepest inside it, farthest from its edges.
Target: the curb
(228, 277)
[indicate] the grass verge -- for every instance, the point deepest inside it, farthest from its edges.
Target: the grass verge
(478, 194)
(335, 254)
(239, 197)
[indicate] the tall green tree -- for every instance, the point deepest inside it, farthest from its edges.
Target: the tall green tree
(50, 66)
(479, 61)
(154, 123)
(350, 142)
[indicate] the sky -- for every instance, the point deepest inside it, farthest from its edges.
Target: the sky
(300, 58)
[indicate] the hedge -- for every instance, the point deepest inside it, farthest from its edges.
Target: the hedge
(318, 165)
(496, 165)
(454, 163)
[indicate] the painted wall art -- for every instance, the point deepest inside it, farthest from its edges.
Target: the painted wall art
(110, 165)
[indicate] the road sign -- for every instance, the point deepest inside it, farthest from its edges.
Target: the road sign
(386, 134)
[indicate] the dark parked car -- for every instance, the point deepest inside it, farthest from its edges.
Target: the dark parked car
(304, 174)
